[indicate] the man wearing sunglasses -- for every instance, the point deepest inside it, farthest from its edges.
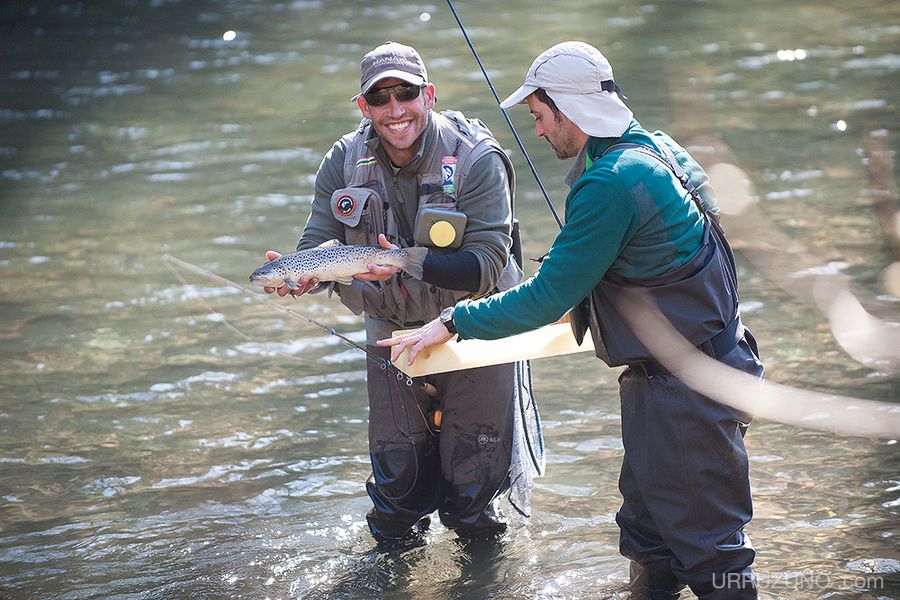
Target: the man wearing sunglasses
(409, 175)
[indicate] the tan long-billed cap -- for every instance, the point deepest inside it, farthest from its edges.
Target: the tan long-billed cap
(579, 79)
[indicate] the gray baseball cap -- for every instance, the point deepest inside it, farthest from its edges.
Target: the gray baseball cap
(579, 79)
(391, 59)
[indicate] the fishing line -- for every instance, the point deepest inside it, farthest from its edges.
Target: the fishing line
(381, 362)
(506, 116)
(212, 311)
(405, 434)
(398, 382)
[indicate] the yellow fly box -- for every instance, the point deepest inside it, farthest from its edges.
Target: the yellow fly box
(440, 227)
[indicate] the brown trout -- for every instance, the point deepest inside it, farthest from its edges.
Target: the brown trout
(333, 261)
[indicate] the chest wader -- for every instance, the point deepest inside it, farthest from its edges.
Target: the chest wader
(461, 467)
(685, 474)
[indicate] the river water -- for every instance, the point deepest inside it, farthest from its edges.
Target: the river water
(162, 438)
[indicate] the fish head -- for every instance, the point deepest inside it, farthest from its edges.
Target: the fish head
(270, 274)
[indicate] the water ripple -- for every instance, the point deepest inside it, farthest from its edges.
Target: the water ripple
(247, 441)
(110, 486)
(888, 63)
(217, 473)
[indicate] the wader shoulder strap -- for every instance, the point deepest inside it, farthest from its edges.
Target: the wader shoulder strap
(668, 159)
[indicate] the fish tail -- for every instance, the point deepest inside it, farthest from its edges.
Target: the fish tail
(415, 259)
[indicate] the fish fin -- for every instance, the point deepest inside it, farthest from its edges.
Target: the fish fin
(292, 285)
(344, 281)
(327, 286)
(415, 258)
(330, 244)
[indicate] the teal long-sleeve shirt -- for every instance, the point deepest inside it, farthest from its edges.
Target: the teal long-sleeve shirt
(626, 214)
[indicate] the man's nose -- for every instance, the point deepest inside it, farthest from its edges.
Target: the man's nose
(538, 130)
(395, 107)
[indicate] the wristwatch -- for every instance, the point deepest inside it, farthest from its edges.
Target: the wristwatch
(447, 319)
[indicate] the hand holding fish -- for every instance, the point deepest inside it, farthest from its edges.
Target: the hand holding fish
(299, 272)
(430, 334)
(375, 273)
(380, 272)
(305, 283)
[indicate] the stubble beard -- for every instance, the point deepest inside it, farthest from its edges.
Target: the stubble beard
(566, 143)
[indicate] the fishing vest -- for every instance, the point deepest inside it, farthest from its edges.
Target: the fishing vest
(700, 298)
(362, 207)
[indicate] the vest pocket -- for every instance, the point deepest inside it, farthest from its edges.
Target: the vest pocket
(356, 208)
(417, 301)
(364, 296)
(359, 210)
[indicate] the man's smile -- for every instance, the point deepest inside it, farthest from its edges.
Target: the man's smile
(399, 127)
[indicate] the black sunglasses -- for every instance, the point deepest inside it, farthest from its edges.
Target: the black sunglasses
(403, 92)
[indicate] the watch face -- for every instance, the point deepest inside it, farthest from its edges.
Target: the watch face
(447, 319)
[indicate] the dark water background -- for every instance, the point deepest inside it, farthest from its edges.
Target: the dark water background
(149, 451)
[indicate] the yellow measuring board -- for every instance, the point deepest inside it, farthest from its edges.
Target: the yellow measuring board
(549, 340)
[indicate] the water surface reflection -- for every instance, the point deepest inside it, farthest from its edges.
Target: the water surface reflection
(149, 451)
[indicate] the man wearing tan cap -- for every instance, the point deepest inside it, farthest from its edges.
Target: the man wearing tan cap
(641, 231)
(409, 175)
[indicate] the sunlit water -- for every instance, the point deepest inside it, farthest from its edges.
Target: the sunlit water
(147, 450)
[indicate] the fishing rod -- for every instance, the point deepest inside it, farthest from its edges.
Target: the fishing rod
(505, 115)
(537, 462)
(382, 362)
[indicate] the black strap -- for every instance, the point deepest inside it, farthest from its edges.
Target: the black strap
(724, 342)
(670, 161)
(716, 347)
(611, 86)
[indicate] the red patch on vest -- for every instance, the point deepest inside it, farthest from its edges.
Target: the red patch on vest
(345, 205)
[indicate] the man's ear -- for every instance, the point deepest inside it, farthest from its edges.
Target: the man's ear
(430, 97)
(363, 107)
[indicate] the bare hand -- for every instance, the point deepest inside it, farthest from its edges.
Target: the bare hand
(428, 335)
(380, 272)
(305, 283)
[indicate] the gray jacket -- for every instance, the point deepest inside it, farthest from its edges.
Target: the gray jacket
(359, 195)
